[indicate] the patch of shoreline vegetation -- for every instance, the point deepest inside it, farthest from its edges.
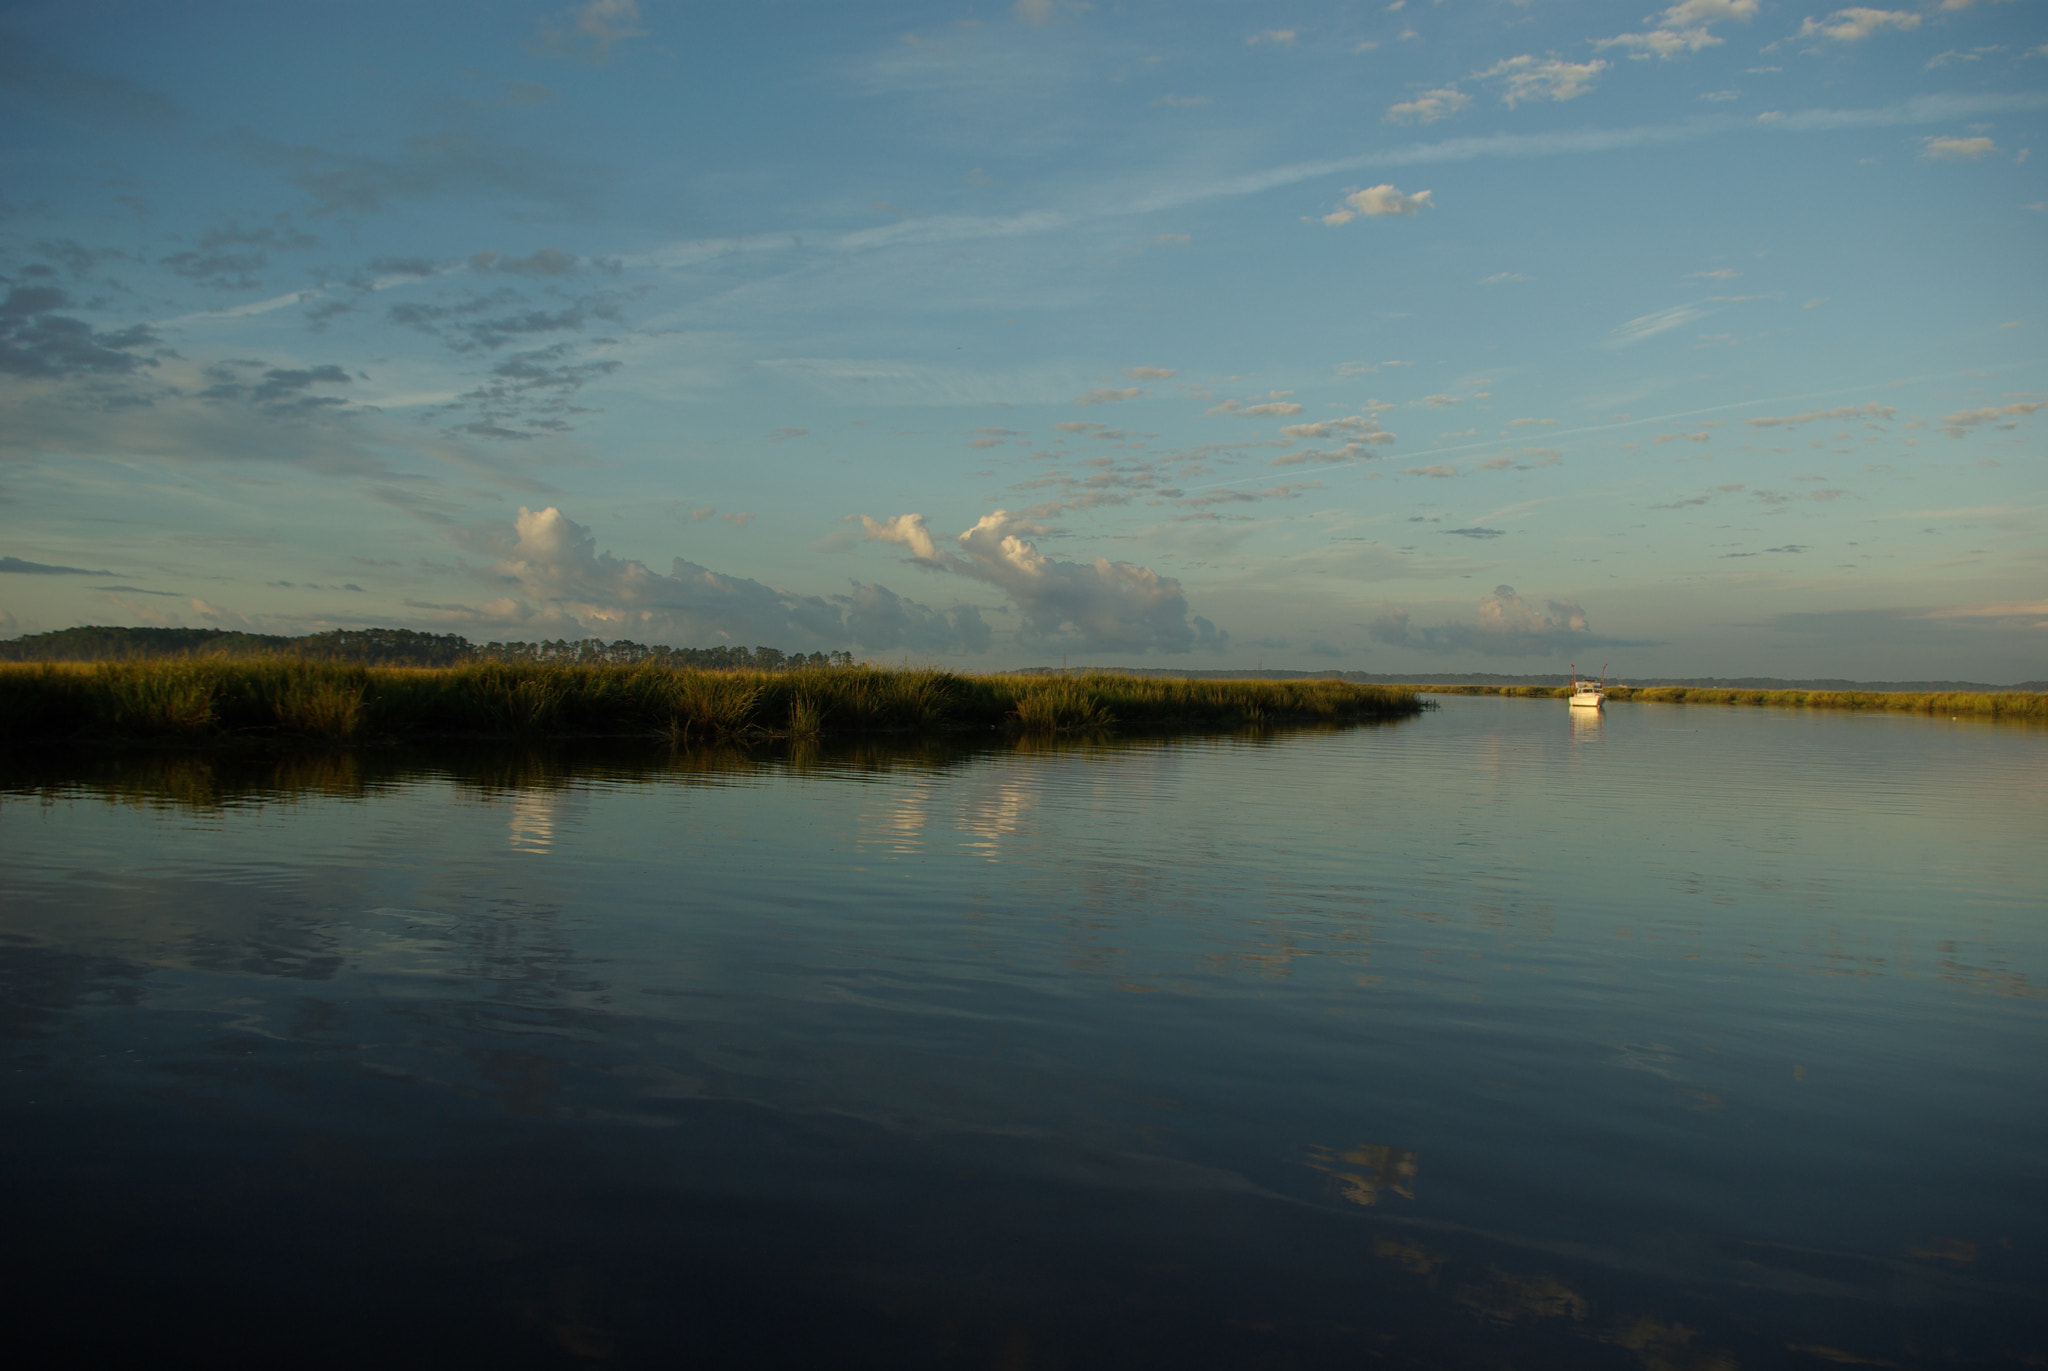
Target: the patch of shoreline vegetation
(2005, 704)
(291, 699)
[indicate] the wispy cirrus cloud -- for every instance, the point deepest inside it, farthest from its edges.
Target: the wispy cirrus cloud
(1647, 326)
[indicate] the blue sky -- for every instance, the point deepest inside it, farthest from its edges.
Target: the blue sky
(1397, 337)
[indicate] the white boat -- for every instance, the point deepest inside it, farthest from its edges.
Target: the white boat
(1589, 694)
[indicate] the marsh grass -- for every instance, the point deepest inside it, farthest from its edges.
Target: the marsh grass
(199, 700)
(2009, 704)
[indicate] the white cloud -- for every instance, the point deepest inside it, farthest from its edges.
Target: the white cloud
(1103, 395)
(1272, 402)
(1550, 78)
(1276, 38)
(1436, 469)
(1376, 201)
(907, 529)
(1682, 29)
(1102, 605)
(1428, 107)
(1360, 428)
(1816, 415)
(1501, 278)
(1356, 450)
(1509, 626)
(1857, 23)
(1149, 373)
(1957, 149)
(1955, 424)
(1688, 12)
(555, 582)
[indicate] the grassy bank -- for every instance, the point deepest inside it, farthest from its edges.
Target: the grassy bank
(202, 700)
(2001, 704)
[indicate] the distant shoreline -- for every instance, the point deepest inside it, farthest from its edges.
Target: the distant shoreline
(2002, 704)
(1493, 680)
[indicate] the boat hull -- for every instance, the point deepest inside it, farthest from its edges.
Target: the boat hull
(1587, 699)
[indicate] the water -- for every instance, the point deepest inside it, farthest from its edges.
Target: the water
(1687, 1037)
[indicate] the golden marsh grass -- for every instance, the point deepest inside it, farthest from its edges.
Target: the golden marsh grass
(197, 700)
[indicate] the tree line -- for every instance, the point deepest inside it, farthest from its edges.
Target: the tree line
(390, 647)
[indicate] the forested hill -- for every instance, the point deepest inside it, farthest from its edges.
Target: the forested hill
(385, 647)
(377, 646)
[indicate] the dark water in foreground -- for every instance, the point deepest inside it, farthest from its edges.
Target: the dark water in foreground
(1696, 1038)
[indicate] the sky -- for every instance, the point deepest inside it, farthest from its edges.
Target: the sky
(1396, 337)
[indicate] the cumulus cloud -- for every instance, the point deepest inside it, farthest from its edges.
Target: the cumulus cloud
(1377, 201)
(881, 620)
(1104, 395)
(1100, 605)
(553, 581)
(1955, 425)
(1508, 626)
(1275, 38)
(1813, 415)
(1548, 78)
(1436, 469)
(1682, 29)
(1956, 149)
(1149, 373)
(1428, 107)
(1857, 23)
(1269, 409)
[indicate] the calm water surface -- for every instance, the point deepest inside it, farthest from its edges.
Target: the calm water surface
(1689, 1037)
